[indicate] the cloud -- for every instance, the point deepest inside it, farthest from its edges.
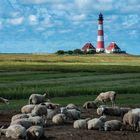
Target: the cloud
(131, 21)
(79, 17)
(33, 1)
(33, 20)
(15, 21)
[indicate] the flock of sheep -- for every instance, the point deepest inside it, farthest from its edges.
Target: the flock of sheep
(34, 116)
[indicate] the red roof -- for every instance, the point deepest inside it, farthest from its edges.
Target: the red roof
(113, 45)
(88, 46)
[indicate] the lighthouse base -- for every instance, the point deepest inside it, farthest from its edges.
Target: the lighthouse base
(100, 50)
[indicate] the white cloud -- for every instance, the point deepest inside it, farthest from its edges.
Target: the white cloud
(15, 21)
(33, 20)
(33, 1)
(1, 25)
(131, 21)
(79, 17)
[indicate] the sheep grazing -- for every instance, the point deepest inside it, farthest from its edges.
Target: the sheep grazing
(112, 111)
(15, 131)
(37, 98)
(106, 97)
(59, 119)
(81, 124)
(27, 109)
(35, 133)
(96, 123)
(89, 104)
(131, 119)
(113, 125)
(2, 100)
(71, 113)
(19, 116)
(23, 122)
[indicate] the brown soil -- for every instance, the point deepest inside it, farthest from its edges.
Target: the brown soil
(67, 132)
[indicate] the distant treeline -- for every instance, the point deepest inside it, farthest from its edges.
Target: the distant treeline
(76, 51)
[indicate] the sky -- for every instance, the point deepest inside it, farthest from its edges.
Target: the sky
(45, 26)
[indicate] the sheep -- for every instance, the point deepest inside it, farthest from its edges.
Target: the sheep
(23, 122)
(96, 123)
(51, 113)
(71, 113)
(59, 119)
(72, 106)
(37, 120)
(3, 100)
(89, 104)
(112, 111)
(37, 98)
(106, 96)
(34, 133)
(136, 111)
(40, 110)
(113, 125)
(131, 119)
(15, 131)
(81, 124)
(27, 109)
(19, 116)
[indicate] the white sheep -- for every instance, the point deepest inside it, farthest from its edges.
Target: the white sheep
(112, 111)
(35, 133)
(73, 114)
(37, 98)
(89, 104)
(59, 119)
(3, 100)
(23, 122)
(131, 119)
(96, 123)
(81, 124)
(51, 113)
(106, 97)
(19, 116)
(113, 125)
(14, 131)
(27, 109)
(37, 120)
(40, 110)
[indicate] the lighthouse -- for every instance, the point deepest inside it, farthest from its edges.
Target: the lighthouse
(100, 37)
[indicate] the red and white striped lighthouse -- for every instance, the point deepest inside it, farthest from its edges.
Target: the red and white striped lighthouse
(100, 37)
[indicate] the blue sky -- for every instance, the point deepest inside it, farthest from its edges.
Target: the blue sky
(28, 26)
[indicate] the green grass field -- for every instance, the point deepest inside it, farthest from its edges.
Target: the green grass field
(65, 76)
